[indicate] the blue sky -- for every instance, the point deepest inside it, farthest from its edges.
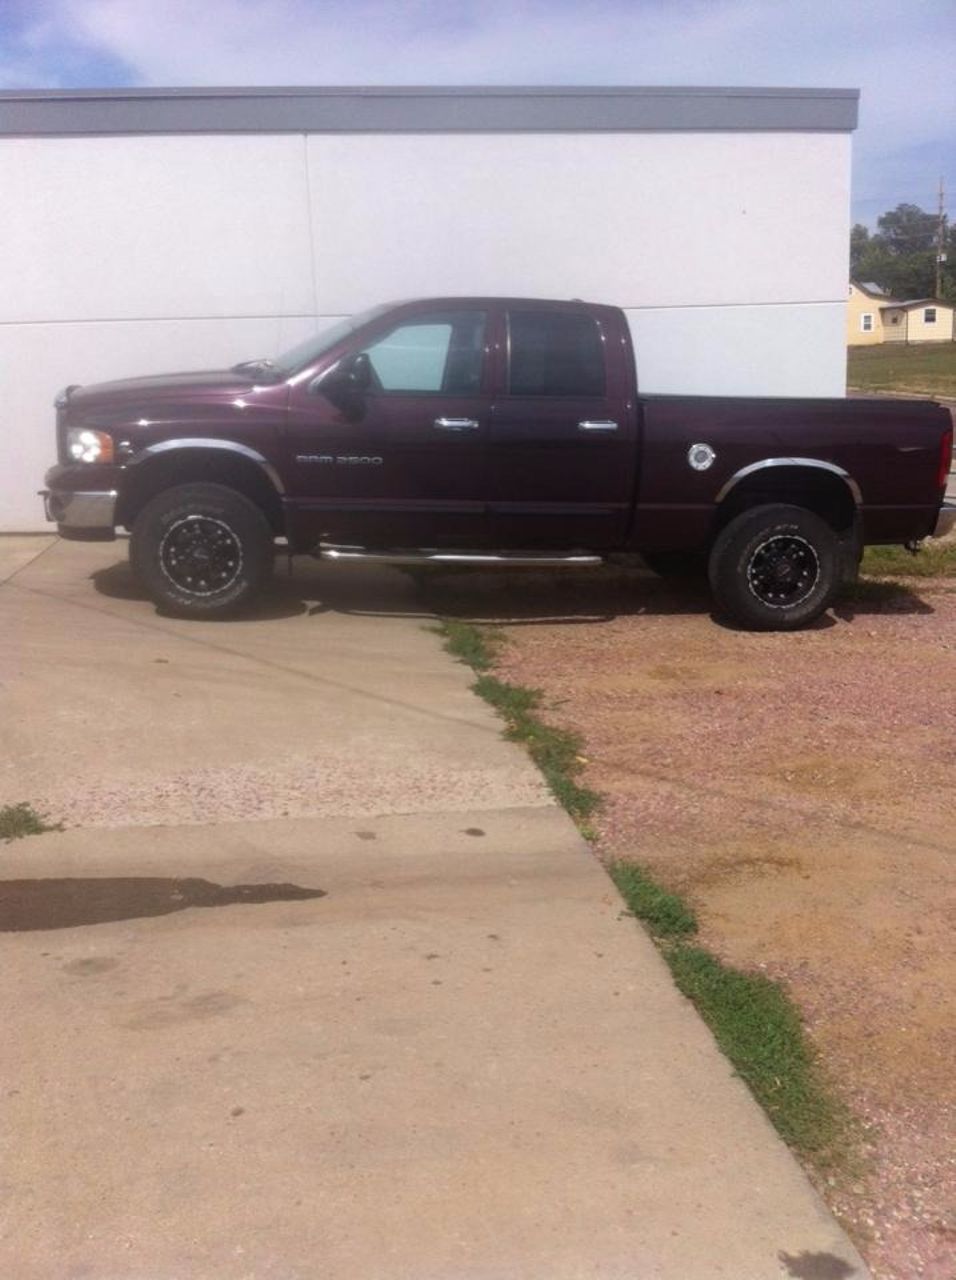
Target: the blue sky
(901, 55)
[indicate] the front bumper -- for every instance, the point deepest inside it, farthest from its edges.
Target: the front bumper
(82, 515)
(946, 521)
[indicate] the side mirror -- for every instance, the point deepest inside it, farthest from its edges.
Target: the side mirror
(360, 371)
(351, 376)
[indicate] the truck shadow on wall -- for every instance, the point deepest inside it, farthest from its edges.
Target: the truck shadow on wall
(519, 597)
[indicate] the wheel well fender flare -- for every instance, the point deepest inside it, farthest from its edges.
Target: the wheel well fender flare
(235, 447)
(813, 464)
(174, 461)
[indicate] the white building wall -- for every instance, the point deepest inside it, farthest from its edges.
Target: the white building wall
(129, 255)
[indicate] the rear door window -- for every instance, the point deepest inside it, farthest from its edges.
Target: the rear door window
(554, 353)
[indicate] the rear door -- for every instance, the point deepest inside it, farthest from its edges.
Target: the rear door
(562, 447)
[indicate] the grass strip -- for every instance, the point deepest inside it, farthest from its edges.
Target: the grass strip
(926, 369)
(754, 1021)
(18, 820)
(556, 752)
(933, 560)
(476, 647)
(666, 914)
(759, 1028)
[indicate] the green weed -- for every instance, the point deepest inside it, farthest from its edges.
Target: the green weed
(17, 820)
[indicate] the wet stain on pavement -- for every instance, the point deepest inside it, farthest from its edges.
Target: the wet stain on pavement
(66, 904)
(170, 1011)
(90, 967)
(474, 831)
(816, 1266)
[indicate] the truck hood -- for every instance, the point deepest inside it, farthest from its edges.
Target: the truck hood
(126, 391)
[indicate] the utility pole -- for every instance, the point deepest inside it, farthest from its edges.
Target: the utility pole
(940, 243)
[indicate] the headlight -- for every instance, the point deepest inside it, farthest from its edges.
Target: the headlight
(84, 445)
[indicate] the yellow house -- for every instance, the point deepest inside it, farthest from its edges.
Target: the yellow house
(864, 324)
(922, 320)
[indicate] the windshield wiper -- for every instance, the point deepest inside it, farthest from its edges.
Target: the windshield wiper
(256, 366)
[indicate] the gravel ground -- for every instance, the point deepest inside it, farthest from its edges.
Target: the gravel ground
(798, 789)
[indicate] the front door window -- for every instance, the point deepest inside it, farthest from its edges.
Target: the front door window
(438, 354)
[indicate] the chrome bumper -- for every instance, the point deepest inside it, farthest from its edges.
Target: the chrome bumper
(946, 521)
(88, 514)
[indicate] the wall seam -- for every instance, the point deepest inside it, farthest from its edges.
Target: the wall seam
(309, 215)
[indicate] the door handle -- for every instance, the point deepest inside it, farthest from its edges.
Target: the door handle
(456, 424)
(587, 425)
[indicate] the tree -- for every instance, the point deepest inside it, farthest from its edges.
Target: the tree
(901, 255)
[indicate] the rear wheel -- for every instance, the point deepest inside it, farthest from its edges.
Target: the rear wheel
(201, 550)
(776, 568)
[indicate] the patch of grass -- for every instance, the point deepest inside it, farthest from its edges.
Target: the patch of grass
(759, 1028)
(666, 914)
(920, 369)
(933, 560)
(556, 752)
(753, 1019)
(476, 647)
(18, 820)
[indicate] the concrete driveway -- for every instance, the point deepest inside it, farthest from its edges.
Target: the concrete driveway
(318, 983)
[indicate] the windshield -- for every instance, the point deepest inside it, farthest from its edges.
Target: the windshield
(305, 353)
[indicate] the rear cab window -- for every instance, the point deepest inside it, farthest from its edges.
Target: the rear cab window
(555, 353)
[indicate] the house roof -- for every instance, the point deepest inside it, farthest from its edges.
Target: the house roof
(877, 291)
(916, 302)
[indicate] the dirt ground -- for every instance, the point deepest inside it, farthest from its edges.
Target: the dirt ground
(798, 789)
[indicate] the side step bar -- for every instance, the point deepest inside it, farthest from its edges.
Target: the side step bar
(520, 560)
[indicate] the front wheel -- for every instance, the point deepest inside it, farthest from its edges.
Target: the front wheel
(776, 568)
(201, 550)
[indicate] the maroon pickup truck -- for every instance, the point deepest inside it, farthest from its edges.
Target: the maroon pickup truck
(503, 431)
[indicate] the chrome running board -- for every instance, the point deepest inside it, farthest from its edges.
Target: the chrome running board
(502, 559)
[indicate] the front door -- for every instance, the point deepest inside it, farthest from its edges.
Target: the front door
(400, 461)
(562, 448)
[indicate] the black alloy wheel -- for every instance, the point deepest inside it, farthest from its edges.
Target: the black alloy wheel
(776, 567)
(200, 555)
(202, 550)
(783, 571)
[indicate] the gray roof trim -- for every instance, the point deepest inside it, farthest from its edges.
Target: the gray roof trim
(64, 112)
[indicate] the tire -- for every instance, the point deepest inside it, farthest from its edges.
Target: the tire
(676, 564)
(776, 568)
(201, 550)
